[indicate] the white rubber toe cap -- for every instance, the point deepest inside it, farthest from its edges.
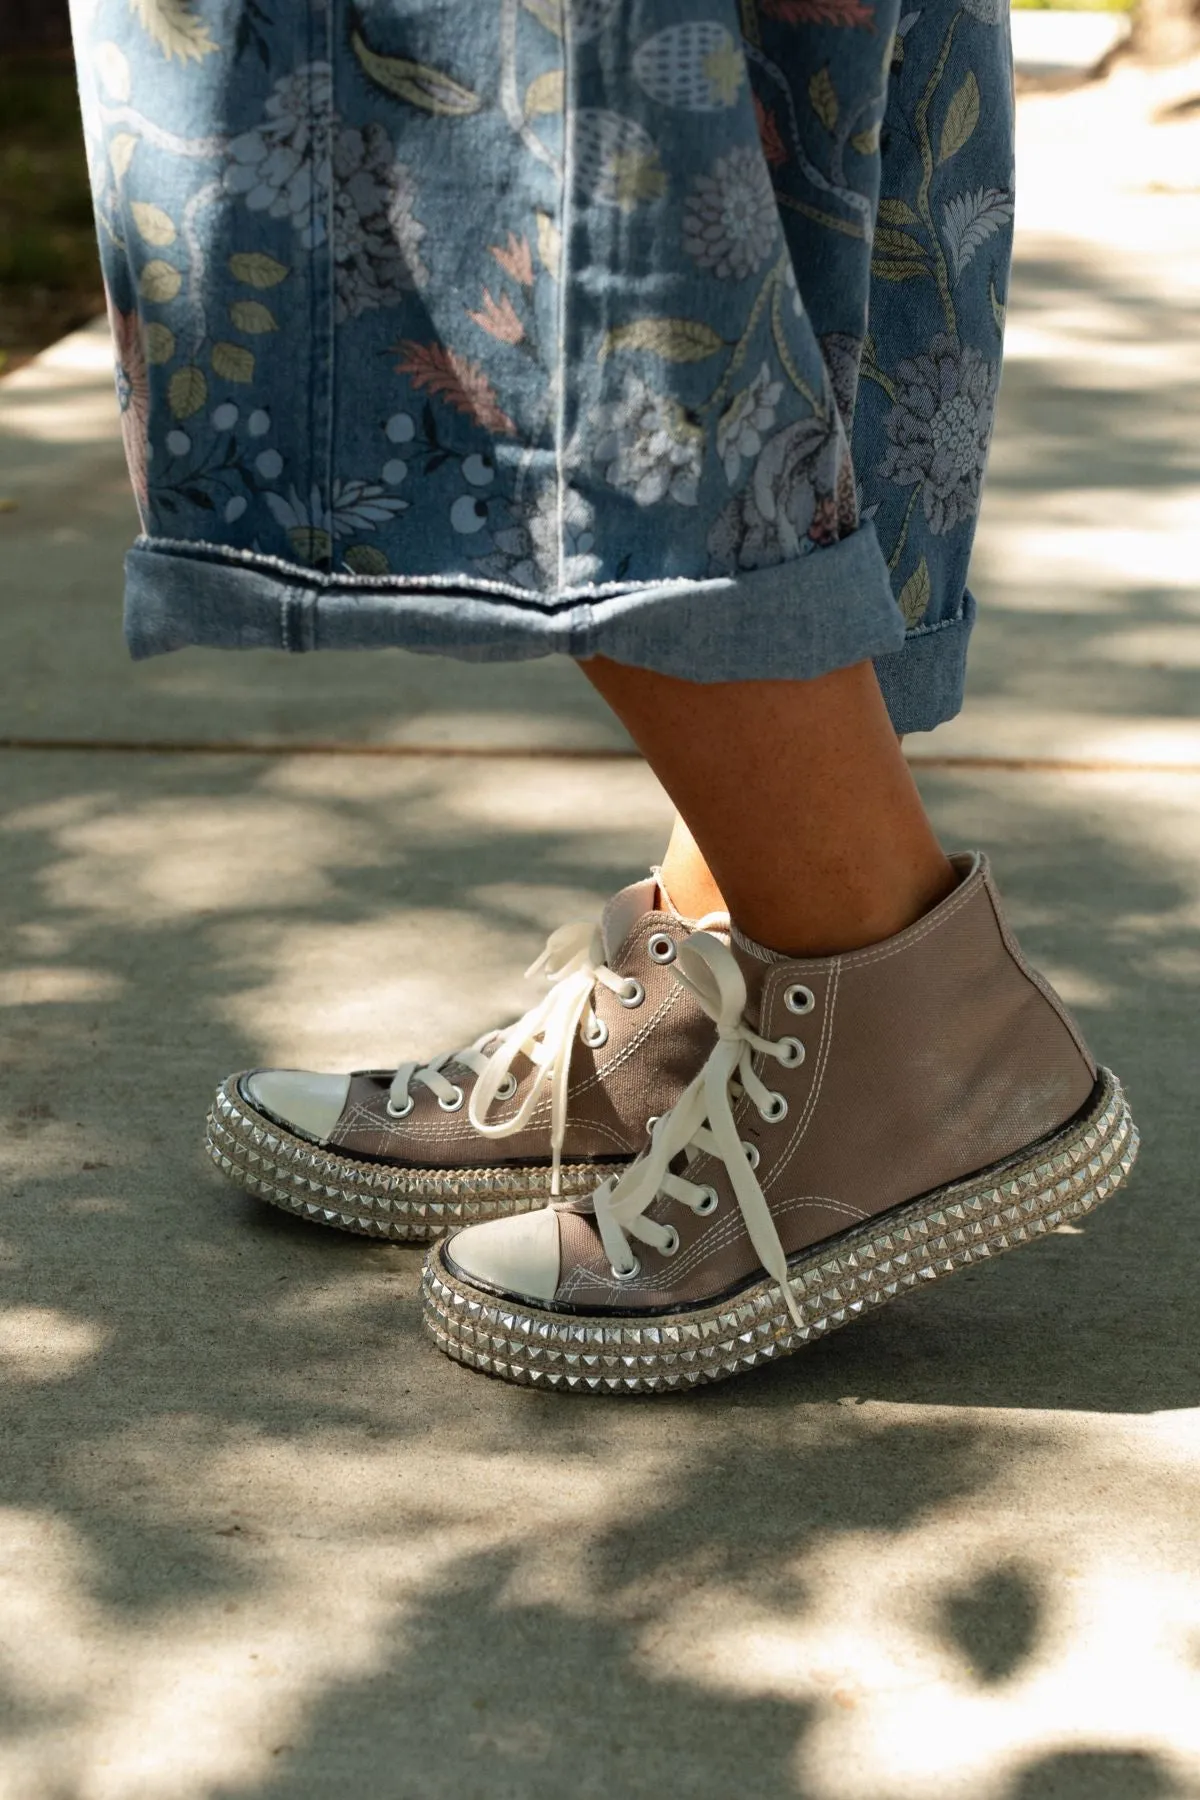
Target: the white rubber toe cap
(519, 1255)
(310, 1104)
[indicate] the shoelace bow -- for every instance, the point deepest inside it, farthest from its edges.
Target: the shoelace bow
(572, 962)
(702, 1121)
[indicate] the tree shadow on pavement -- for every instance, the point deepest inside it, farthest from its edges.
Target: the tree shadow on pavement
(261, 1539)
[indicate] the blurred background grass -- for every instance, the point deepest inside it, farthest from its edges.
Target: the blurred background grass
(1116, 6)
(49, 274)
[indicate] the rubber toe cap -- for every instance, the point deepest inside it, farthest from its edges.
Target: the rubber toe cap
(309, 1104)
(519, 1255)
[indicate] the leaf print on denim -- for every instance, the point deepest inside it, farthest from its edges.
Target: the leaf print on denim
(743, 424)
(649, 446)
(159, 281)
(730, 219)
(695, 66)
(175, 28)
(970, 219)
(461, 384)
(160, 342)
(233, 362)
(365, 559)
(256, 269)
(675, 340)
(939, 430)
(252, 317)
(769, 135)
(822, 96)
(516, 259)
(499, 319)
(187, 391)
(616, 160)
(312, 527)
(546, 94)
(154, 226)
(962, 116)
(707, 392)
(120, 154)
(899, 256)
(112, 66)
(849, 13)
(430, 89)
(914, 597)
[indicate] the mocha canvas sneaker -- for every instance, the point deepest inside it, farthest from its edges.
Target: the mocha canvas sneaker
(865, 1124)
(547, 1107)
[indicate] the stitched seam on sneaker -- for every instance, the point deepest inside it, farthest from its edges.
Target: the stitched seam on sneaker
(730, 1231)
(732, 1228)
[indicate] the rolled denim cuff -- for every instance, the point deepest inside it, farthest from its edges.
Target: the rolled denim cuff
(923, 683)
(821, 611)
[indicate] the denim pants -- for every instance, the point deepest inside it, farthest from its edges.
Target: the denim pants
(668, 330)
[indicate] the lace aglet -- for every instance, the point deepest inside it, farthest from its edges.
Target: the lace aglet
(556, 1175)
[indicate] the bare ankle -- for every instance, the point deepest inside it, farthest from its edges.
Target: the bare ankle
(853, 914)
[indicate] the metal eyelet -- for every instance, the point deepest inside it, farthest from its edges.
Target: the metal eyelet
(672, 1243)
(660, 948)
(630, 1274)
(799, 999)
(634, 993)
(596, 1035)
(752, 1156)
(795, 1052)
(708, 1204)
(452, 1105)
(400, 1112)
(507, 1088)
(776, 1110)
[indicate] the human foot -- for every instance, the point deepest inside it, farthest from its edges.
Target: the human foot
(547, 1106)
(865, 1124)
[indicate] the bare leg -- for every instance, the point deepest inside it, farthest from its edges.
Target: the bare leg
(797, 797)
(687, 877)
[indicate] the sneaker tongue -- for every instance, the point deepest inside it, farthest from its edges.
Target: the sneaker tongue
(641, 897)
(623, 912)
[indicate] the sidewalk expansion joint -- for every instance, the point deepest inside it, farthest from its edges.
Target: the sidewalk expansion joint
(1036, 765)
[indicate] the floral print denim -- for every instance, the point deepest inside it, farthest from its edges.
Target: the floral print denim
(663, 329)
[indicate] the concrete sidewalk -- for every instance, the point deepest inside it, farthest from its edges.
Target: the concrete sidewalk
(256, 1539)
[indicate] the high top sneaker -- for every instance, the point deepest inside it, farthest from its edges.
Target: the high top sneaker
(865, 1124)
(546, 1107)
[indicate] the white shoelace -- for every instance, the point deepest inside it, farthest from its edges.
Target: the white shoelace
(573, 962)
(702, 1122)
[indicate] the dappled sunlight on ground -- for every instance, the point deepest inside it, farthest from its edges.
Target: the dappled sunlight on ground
(259, 1539)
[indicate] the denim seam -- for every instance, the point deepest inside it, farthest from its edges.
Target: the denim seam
(324, 381)
(920, 631)
(203, 551)
(564, 289)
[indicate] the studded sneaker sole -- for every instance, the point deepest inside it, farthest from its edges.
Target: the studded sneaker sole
(970, 1221)
(376, 1200)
